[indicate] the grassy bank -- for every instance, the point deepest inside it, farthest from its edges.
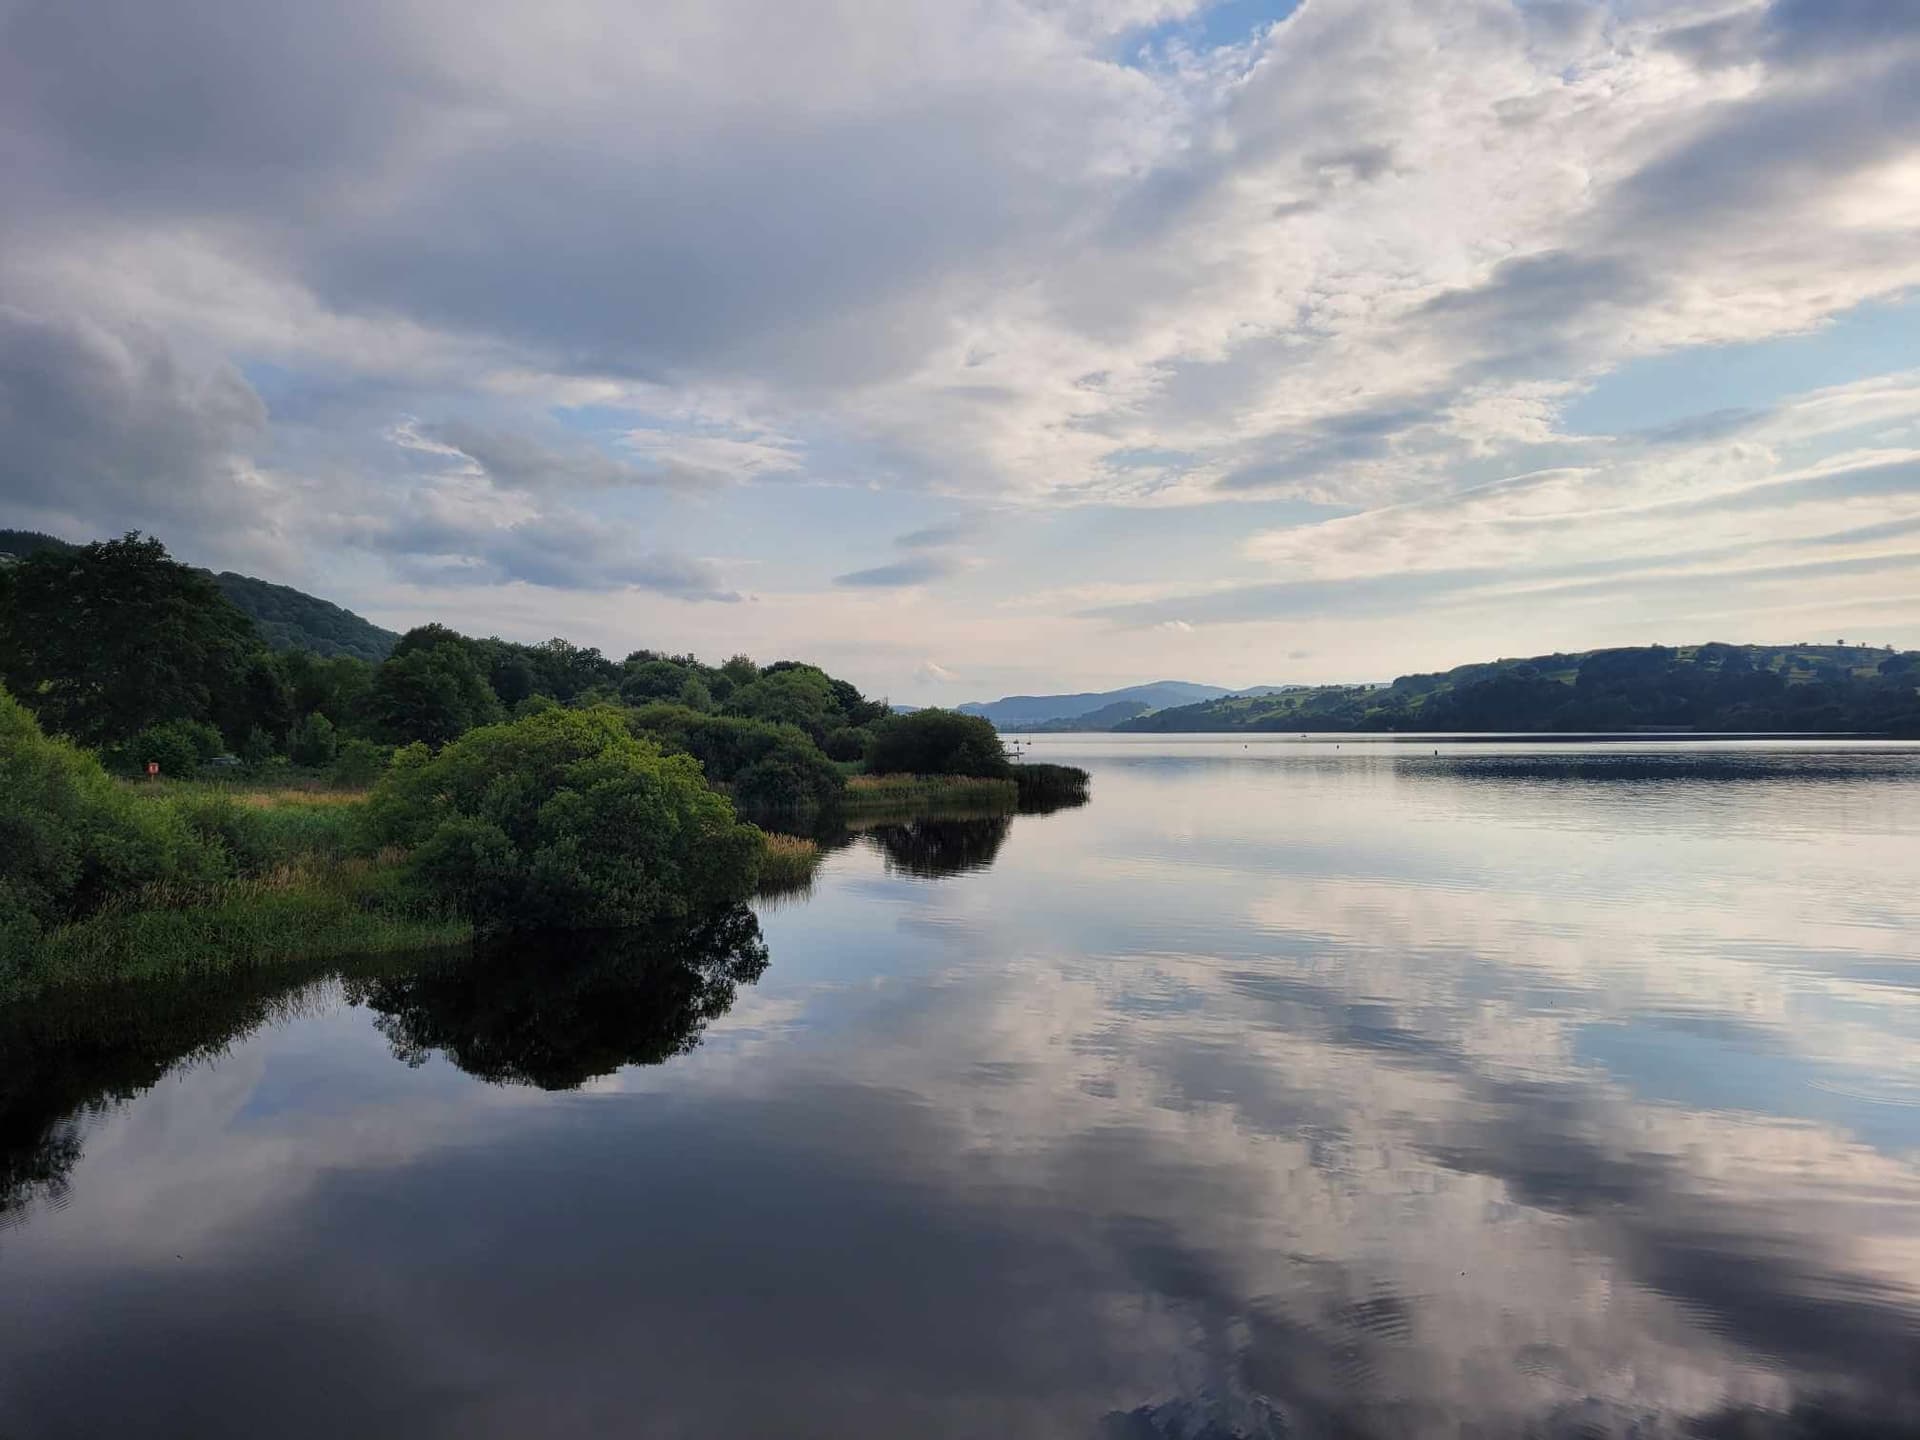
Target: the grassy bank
(869, 795)
(306, 909)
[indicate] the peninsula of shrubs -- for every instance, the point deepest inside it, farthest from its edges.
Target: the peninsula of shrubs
(310, 804)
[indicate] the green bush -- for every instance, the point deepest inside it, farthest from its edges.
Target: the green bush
(359, 763)
(314, 742)
(1045, 786)
(258, 748)
(71, 839)
(937, 742)
(178, 747)
(847, 743)
(768, 769)
(564, 820)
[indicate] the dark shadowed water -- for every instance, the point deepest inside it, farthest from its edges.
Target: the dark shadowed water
(1285, 1089)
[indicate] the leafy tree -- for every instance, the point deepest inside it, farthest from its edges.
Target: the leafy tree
(567, 671)
(358, 763)
(847, 743)
(428, 637)
(734, 672)
(262, 700)
(796, 695)
(104, 642)
(654, 680)
(767, 769)
(937, 742)
(178, 747)
(564, 820)
(314, 742)
(432, 694)
(512, 676)
(258, 747)
(695, 694)
(335, 687)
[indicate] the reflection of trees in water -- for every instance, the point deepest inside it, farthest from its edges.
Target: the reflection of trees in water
(932, 848)
(557, 1010)
(552, 1012)
(70, 1054)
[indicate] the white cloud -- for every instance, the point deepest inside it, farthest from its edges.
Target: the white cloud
(1022, 252)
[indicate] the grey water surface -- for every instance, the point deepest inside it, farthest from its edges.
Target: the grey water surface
(1321, 1087)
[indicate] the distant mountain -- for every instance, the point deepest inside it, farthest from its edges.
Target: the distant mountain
(1018, 710)
(287, 619)
(1855, 689)
(1105, 718)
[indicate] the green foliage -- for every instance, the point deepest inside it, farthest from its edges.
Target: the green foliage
(103, 642)
(358, 764)
(336, 688)
(258, 747)
(800, 696)
(900, 794)
(313, 742)
(261, 700)
(289, 620)
(564, 820)
(1050, 786)
(937, 742)
(847, 743)
(431, 692)
(179, 747)
(71, 839)
(767, 769)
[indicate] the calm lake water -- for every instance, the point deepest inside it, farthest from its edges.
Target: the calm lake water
(1304, 1088)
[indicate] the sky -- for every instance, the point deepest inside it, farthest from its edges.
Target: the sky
(971, 347)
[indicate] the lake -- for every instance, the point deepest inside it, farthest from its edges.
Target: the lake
(1304, 1087)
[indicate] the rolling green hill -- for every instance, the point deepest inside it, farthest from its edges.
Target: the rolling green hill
(290, 619)
(287, 619)
(1713, 687)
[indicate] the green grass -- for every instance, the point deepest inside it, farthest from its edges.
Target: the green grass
(304, 882)
(300, 912)
(916, 794)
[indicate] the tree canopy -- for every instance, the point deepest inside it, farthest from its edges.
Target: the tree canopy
(564, 819)
(104, 641)
(937, 742)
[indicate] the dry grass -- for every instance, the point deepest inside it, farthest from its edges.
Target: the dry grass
(787, 864)
(272, 799)
(897, 794)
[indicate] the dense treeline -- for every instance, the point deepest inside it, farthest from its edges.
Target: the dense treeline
(127, 652)
(458, 786)
(1715, 687)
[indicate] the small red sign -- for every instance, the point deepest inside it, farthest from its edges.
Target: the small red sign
(153, 767)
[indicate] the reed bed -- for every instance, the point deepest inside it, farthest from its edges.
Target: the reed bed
(867, 794)
(787, 865)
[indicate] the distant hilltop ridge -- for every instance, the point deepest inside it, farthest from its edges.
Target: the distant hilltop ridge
(1099, 709)
(1714, 688)
(287, 619)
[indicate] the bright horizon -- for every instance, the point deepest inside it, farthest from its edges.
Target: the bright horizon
(1030, 346)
